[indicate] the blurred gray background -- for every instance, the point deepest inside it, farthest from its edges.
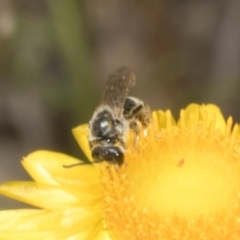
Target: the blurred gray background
(55, 56)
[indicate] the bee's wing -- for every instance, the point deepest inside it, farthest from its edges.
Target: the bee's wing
(117, 87)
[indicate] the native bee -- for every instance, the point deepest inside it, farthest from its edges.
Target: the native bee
(115, 116)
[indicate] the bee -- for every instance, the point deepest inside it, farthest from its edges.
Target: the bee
(115, 116)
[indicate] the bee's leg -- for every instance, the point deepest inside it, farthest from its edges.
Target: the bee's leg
(145, 118)
(135, 128)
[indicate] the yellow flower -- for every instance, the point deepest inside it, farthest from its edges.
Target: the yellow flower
(181, 180)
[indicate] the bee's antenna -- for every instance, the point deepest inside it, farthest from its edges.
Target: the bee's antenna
(76, 164)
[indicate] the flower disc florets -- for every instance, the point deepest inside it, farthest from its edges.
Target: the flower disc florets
(181, 181)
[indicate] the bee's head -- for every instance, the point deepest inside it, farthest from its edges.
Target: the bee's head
(110, 154)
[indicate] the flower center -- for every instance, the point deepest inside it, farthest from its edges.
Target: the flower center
(181, 171)
(186, 180)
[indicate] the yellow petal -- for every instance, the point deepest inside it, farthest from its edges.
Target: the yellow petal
(48, 167)
(46, 196)
(30, 220)
(211, 114)
(43, 224)
(38, 163)
(104, 235)
(162, 118)
(191, 115)
(36, 235)
(14, 218)
(81, 133)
